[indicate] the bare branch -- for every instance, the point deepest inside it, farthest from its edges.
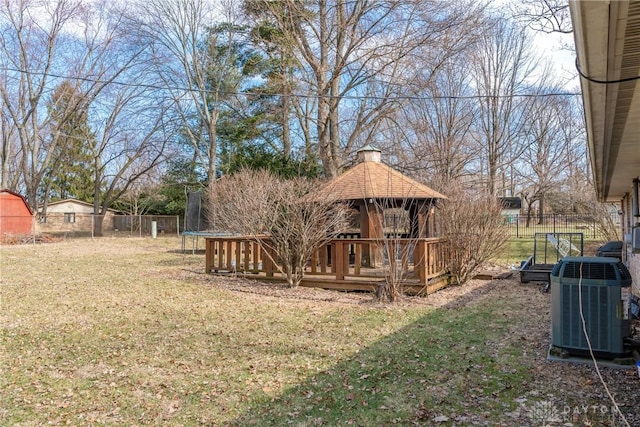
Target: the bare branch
(547, 16)
(277, 214)
(473, 225)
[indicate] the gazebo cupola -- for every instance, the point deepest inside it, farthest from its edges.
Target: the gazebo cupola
(369, 153)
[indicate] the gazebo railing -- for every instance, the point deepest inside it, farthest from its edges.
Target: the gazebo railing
(344, 259)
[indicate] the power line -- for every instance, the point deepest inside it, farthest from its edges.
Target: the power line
(604, 82)
(291, 95)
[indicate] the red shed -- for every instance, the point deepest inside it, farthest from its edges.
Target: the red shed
(15, 214)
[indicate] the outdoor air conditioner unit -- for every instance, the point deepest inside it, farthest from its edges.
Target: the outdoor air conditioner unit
(599, 287)
(635, 240)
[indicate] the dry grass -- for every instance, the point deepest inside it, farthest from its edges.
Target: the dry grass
(131, 332)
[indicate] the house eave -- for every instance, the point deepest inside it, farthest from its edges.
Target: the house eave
(608, 57)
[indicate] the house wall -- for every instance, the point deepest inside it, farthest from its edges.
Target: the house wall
(56, 221)
(634, 269)
(511, 215)
(510, 211)
(82, 223)
(632, 260)
(70, 206)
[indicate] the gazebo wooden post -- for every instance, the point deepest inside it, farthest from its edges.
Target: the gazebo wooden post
(371, 227)
(338, 260)
(419, 261)
(256, 253)
(268, 261)
(419, 220)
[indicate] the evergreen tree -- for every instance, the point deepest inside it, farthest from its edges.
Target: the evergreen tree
(70, 173)
(180, 174)
(253, 130)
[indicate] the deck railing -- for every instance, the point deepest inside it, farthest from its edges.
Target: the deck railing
(416, 260)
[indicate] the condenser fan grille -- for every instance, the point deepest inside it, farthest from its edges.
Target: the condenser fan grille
(596, 271)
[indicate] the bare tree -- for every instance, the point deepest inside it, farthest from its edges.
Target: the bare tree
(607, 226)
(546, 160)
(131, 135)
(142, 194)
(577, 195)
(38, 42)
(472, 224)
(10, 152)
(279, 215)
(547, 16)
(502, 67)
(358, 59)
(437, 135)
(577, 179)
(396, 246)
(193, 58)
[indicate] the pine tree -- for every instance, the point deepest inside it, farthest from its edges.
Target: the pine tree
(70, 173)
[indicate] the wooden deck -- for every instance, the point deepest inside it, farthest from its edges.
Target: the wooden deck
(342, 264)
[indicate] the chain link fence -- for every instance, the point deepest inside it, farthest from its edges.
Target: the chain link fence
(86, 225)
(74, 224)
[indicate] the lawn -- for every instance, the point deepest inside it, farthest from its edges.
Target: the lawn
(132, 332)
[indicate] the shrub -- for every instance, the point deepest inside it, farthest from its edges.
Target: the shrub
(473, 225)
(278, 214)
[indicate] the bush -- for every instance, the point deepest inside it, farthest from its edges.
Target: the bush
(473, 225)
(280, 215)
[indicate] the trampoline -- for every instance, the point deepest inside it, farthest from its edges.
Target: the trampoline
(195, 221)
(195, 235)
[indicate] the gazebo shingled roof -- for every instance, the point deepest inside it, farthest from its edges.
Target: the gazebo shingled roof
(372, 179)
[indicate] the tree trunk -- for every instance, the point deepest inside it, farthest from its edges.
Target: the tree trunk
(97, 218)
(493, 173)
(32, 198)
(286, 107)
(212, 131)
(541, 210)
(334, 129)
(528, 222)
(324, 139)
(97, 225)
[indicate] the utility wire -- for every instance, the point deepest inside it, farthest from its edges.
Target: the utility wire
(291, 95)
(595, 363)
(604, 82)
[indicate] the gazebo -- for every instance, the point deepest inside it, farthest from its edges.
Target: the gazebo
(372, 187)
(359, 258)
